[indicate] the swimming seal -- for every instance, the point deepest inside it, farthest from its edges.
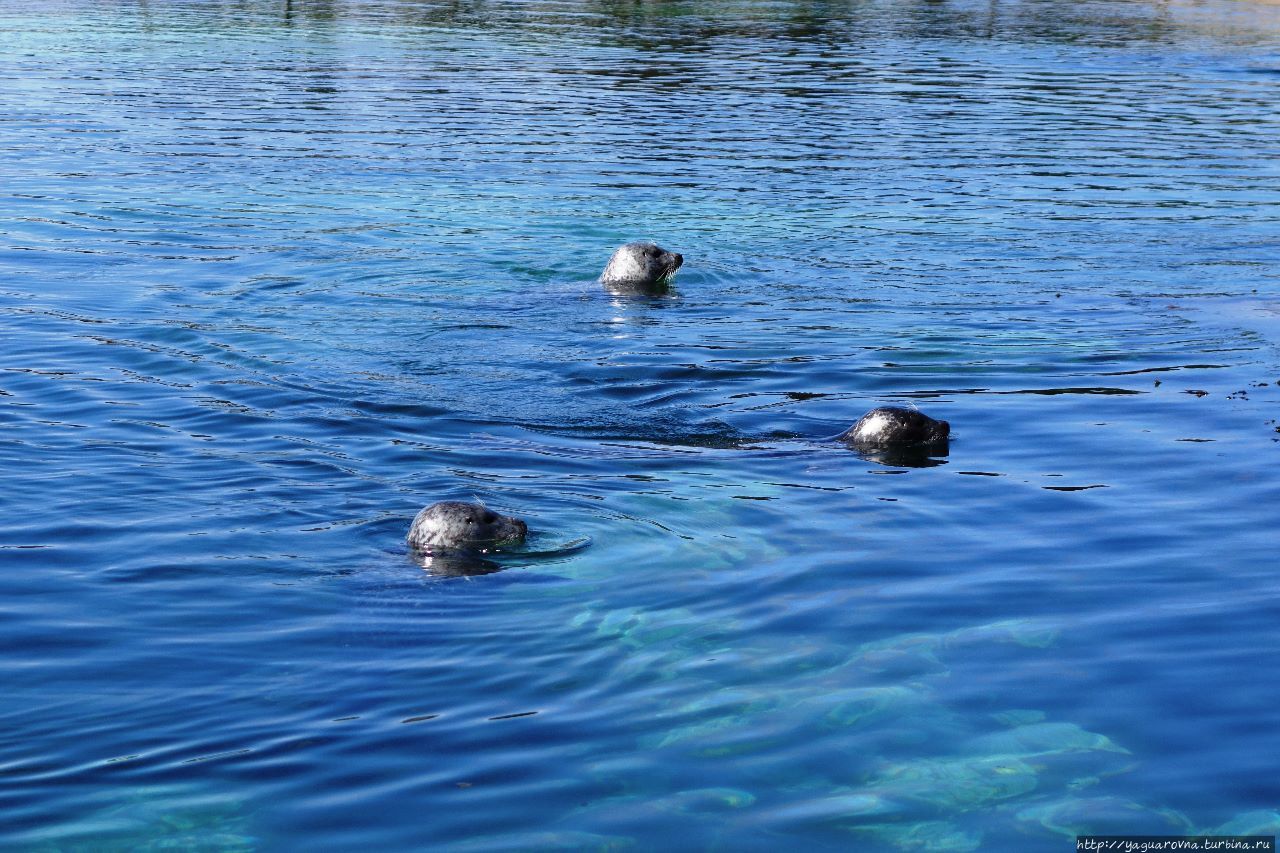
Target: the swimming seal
(893, 426)
(450, 526)
(640, 266)
(891, 435)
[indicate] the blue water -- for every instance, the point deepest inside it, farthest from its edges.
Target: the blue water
(273, 276)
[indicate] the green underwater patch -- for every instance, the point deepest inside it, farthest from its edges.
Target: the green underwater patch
(588, 842)
(1261, 822)
(1028, 633)
(847, 806)
(155, 818)
(711, 717)
(921, 653)
(953, 785)
(859, 706)
(708, 801)
(1042, 738)
(929, 835)
(1070, 817)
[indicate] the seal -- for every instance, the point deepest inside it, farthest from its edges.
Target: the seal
(641, 266)
(889, 427)
(450, 526)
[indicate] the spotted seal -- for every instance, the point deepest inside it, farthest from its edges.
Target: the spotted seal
(640, 266)
(893, 427)
(453, 526)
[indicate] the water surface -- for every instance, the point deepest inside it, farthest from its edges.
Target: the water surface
(275, 275)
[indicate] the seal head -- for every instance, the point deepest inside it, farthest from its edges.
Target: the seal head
(640, 266)
(450, 526)
(893, 427)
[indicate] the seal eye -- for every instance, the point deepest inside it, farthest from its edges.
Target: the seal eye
(489, 518)
(653, 251)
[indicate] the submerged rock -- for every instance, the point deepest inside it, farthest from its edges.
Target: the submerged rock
(956, 784)
(160, 817)
(929, 835)
(1042, 738)
(708, 800)
(1019, 717)
(1103, 816)
(1261, 822)
(547, 840)
(1028, 633)
(835, 809)
(860, 706)
(730, 711)
(920, 653)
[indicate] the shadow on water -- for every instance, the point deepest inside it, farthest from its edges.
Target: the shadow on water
(539, 549)
(906, 457)
(456, 565)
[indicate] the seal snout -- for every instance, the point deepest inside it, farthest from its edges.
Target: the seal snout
(677, 260)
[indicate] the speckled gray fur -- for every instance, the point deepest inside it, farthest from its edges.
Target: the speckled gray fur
(640, 265)
(457, 526)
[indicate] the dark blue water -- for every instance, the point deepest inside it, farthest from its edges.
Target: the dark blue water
(275, 275)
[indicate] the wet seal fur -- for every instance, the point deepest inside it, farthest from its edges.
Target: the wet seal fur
(641, 267)
(454, 526)
(894, 435)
